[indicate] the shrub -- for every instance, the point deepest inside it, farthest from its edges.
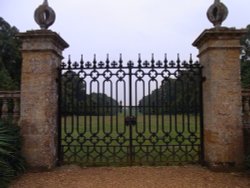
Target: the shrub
(11, 162)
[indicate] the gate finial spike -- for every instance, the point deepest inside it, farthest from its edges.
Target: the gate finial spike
(139, 57)
(165, 56)
(191, 59)
(94, 60)
(178, 57)
(81, 61)
(120, 60)
(153, 58)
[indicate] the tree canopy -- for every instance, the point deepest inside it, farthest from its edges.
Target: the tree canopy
(10, 57)
(175, 95)
(245, 59)
(75, 100)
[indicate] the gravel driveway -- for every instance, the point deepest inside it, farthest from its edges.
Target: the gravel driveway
(132, 177)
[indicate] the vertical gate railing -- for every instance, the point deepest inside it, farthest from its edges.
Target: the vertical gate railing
(144, 112)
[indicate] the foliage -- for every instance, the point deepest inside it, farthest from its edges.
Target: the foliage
(75, 99)
(11, 161)
(101, 104)
(10, 57)
(6, 82)
(245, 59)
(245, 74)
(245, 42)
(175, 95)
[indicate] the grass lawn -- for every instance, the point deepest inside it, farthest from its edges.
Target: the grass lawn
(154, 140)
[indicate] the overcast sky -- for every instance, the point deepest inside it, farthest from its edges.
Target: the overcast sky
(126, 26)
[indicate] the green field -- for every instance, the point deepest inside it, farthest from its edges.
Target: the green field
(154, 140)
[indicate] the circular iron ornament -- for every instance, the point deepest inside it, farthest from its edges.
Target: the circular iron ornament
(153, 139)
(166, 74)
(44, 15)
(94, 75)
(107, 139)
(167, 139)
(69, 139)
(217, 13)
(82, 74)
(120, 74)
(139, 74)
(81, 139)
(153, 74)
(180, 138)
(107, 74)
(177, 74)
(69, 75)
(193, 138)
(140, 139)
(121, 139)
(94, 139)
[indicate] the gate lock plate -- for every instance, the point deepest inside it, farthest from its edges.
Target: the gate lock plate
(130, 120)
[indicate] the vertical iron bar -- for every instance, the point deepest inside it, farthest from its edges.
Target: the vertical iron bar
(201, 116)
(130, 114)
(59, 144)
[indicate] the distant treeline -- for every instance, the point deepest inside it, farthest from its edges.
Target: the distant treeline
(75, 100)
(175, 95)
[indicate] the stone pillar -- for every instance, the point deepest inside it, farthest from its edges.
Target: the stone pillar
(42, 54)
(219, 52)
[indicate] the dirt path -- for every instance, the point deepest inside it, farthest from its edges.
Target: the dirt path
(132, 177)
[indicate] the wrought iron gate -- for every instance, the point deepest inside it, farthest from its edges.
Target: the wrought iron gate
(144, 112)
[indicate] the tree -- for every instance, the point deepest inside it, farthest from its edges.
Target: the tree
(10, 57)
(73, 93)
(175, 95)
(6, 82)
(245, 59)
(76, 101)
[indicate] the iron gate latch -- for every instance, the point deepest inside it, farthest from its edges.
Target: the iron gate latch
(130, 120)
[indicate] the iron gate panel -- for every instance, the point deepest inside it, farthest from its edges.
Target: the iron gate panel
(144, 112)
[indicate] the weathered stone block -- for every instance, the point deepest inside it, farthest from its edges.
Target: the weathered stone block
(219, 52)
(42, 54)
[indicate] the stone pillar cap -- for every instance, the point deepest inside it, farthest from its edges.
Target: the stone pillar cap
(215, 32)
(32, 34)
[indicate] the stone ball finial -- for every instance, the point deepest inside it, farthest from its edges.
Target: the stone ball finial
(217, 13)
(44, 15)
